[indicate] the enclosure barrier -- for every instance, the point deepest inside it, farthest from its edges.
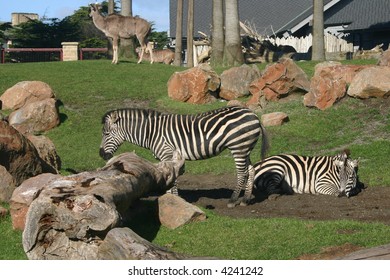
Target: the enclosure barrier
(96, 51)
(48, 51)
(51, 54)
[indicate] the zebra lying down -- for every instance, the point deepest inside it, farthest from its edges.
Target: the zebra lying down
(330, 175)
(196, 137)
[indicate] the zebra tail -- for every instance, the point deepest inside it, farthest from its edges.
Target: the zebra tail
(265, 145)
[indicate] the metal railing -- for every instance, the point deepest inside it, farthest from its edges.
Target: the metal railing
(93, 53)
(30, 54)
(16, 55)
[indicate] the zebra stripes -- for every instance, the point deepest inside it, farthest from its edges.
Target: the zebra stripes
(330, 175)
(199, 136)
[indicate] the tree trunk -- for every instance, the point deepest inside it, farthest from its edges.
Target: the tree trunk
(127, 46)
(318, 44)
(72, 216)
(233, 55)
(111, 10)
(217, 41)
(179, 33)
(111, 6)
(190, 34)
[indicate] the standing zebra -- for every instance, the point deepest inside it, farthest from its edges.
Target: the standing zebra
(331, 175)
(197, 137)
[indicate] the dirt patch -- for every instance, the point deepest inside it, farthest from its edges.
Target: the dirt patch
(213, 192)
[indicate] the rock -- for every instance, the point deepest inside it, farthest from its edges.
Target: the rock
(7, 184)
(278, 80)
(46, 150)
(24, 195)
(197, 85)
(384, 60)
(36, 117)
(175, 211)
(236, 80)
(272, 119)
(19, 156)
(25, 92)
(371, 82)
(235, 103)
(329, 84)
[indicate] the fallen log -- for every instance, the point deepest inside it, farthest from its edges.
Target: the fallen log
(71, 216)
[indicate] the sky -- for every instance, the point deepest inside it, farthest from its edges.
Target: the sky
(156, 11)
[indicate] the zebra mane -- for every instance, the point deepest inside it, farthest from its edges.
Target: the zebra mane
(146, 112)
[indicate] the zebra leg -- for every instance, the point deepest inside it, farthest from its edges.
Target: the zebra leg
(174, 189)
(249, 186)
(242, 175)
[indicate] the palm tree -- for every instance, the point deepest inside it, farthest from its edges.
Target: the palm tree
(111, 10)
(233, 55)
(318, 44)
(217, 37)
(179, 32)
(190, 34)
(127, 46)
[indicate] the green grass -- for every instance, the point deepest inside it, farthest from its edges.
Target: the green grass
(88, 89)
(11, 240)
(277, 238)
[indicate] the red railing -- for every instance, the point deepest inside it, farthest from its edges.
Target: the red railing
(51, 54)
(49, 51)
(82, 51)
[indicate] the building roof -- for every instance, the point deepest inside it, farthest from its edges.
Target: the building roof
(360, 14)
(271, 17)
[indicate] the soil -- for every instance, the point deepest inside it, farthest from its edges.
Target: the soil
(372, 204)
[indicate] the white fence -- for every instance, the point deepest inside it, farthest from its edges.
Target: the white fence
(302, 44)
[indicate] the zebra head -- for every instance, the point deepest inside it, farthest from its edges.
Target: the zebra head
(112, 135)
(348, 174)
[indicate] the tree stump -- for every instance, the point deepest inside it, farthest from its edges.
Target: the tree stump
(72, 215)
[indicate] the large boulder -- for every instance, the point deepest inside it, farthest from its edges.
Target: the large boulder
(7, 184)
(46, 150)
(25, 92)
(19, 156)
(196, 85)
(371, 82)
(278, 80)
(36, 117)
(329, 84)
(174, 211)
(236, 80)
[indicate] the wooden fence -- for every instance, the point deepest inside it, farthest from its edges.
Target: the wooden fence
(302, 44)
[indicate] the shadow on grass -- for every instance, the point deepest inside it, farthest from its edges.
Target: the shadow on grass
(143, 218)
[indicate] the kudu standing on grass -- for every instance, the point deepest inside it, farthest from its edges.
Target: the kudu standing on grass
(117, 26)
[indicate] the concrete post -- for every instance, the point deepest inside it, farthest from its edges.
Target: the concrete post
(70, 51)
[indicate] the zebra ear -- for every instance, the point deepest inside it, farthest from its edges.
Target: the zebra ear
(355, 163)
(114, 117)
(339, 163)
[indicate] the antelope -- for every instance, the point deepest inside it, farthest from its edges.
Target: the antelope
(117, 26)
(162, 56)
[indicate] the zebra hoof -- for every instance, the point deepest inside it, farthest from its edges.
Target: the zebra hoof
(242, 203)
(232, 204)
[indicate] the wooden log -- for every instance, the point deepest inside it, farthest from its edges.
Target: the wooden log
(125, 244)
(72, 215)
